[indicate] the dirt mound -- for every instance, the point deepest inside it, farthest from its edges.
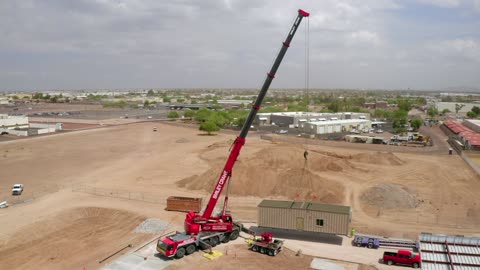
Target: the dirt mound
(381, 158)
(277, 171)
(65, 240)
(390, 196)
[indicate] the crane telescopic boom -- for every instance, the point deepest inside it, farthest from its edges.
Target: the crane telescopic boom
(193, 222)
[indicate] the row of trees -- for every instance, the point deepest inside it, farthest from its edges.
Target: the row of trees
(213, 120)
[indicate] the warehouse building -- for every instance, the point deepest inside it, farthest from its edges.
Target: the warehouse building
(13, 121)
(335, 126)
(297, 119)
(472, 124)
(305, 216)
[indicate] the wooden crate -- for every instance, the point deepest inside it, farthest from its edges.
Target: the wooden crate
(184, 204)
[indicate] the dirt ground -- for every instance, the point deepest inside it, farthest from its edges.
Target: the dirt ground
(60, 229)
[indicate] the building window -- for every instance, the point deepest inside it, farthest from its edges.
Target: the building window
(320, 222)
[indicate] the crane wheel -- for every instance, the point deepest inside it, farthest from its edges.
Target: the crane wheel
(214, 241)
(270, 252)
(233, 235)
(180, 253)
(262, 250)
(191, 249)
(226, 238)
(254, 248)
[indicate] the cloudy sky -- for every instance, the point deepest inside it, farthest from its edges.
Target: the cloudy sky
(92, 44)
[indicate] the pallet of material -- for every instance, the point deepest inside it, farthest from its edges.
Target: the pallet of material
(184, 204)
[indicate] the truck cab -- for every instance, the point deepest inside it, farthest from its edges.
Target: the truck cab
(402, 257)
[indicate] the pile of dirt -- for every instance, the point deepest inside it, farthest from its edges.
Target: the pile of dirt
(390, 196)
(278, 171)
(379, 158)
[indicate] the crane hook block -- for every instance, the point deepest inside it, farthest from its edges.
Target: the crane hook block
(303, 13)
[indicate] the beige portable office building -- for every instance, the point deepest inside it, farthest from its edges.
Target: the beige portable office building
(305, 216)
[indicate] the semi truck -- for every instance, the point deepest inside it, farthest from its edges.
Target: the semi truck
(207, 230)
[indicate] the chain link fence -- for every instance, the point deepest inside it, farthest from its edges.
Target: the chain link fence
(121, 194)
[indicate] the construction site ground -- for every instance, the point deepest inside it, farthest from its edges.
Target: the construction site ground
(87, 191)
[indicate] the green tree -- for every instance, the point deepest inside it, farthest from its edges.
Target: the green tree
(15, 97)
(404, 104)
(203, 115)
(209, 127)
(458, 107)
(173, 114)
(416, 123)
(471, 114)
(150, 93)
(432, 111)
(38, 96)
(476, 110)
(334, 106)
(445, 111)
(218, 119)
(189, 113)
(146, 103)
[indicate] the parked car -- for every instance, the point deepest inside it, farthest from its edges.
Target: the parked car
(402, 257)
(283, 131)
(379, 131)
(4, 133)
(17, 189)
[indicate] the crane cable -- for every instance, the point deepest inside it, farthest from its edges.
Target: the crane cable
(307, 79)
(307, 100)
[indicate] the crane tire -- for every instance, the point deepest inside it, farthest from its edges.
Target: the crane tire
(190, 249)
(180, 253)
(233, 235)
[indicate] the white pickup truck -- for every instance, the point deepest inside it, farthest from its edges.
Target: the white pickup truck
(17, 189)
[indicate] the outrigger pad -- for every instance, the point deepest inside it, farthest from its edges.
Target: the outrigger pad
(213, 255)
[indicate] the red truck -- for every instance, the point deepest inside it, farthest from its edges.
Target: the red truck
(403, 257)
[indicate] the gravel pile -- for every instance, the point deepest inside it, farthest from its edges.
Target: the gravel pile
(152, 226)
(390, 196)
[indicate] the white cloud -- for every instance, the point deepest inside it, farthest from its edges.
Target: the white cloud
(442, 3)
(363, 37)
(467, 48)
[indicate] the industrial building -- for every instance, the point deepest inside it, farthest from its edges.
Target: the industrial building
(13, 121)
(472, 124)
(297, 119)
(465, 137)
(20, 126)
(444, 252)
(364, 139)
(334, 126)
(305, 216)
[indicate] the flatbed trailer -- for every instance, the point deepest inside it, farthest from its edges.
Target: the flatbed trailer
(374, 241)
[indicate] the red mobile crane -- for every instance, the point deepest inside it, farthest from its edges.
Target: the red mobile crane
(206, 230)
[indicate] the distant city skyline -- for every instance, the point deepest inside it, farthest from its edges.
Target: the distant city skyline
(127, 44)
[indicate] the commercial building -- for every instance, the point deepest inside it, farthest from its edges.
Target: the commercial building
(20, 126)
(305, 216)
(335, 126)
(472, 124)
(297, 119)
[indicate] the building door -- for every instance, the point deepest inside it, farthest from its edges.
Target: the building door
(300, 223)
(321, 130)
